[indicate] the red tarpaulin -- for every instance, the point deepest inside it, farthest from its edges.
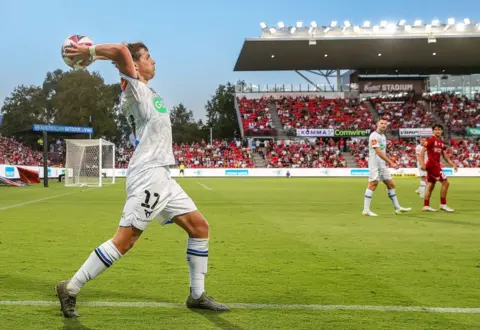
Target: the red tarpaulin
(28, 176)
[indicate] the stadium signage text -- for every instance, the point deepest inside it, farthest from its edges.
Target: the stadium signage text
(62, 129)
(330, 132)
(413, 132)
(473, 131)
(369, 87)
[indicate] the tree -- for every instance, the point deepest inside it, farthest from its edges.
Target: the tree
(184, 127)
(23, 108)
(221, 113)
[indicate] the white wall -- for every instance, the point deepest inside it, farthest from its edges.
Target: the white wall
(10, 172)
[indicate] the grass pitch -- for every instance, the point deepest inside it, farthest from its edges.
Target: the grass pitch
(273, 241)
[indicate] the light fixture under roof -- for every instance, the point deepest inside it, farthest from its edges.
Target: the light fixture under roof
(417, 23)
(402, 22)
(434, 54)
(379, 54)
(347, 24)
(467, 21)
(299, 24)
(366, 24)
(326, 55)
(451, 21)
(263, 25)
(333, 24)
(313, 24)
(272, 30)
(293, 29)
(281, 25)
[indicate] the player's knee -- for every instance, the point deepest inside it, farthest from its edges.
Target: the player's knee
(200, 229)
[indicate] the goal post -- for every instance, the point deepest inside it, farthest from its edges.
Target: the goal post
(89, 163)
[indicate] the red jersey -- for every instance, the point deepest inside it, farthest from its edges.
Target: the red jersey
(434, 146)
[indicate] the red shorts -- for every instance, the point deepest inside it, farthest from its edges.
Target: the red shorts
(435, 174)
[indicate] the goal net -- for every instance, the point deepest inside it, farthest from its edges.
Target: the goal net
(89, 163)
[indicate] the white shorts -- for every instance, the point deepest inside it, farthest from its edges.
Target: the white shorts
(422, 173)
(153, 194)
(379, 174)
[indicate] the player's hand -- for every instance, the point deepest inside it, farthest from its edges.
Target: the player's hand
(423, 168)
(455, 168)
(82, 51)
(394, 165)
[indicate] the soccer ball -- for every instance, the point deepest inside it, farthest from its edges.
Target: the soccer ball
(76, 63)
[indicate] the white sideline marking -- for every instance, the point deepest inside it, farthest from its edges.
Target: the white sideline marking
(36, 201)
(204, 186)
(254, 306)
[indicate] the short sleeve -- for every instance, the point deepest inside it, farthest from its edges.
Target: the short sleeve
(133, 86)
(374, 140)
(428, 144)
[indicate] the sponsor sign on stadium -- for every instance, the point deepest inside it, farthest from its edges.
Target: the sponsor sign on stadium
(413, 132)
(317, 132)
(391, 86)
(330, 132)
(62, 129)
(473, 131)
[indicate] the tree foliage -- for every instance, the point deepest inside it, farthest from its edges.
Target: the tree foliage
(221, 113)
(184, 127)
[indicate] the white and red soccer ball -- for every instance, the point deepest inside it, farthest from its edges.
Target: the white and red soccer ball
(76, 63)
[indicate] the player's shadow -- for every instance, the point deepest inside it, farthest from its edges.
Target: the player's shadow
(73, 324)
(216, 319)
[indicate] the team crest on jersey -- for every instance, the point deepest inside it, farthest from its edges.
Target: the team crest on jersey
(158, 105)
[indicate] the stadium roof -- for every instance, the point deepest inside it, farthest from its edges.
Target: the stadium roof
(379, 49)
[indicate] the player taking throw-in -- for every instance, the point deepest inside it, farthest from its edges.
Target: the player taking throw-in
(151, 192)
(435, 147)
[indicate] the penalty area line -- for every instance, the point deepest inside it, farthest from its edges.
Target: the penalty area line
(424, 309)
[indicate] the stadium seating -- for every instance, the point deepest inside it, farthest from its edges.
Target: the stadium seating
(304, 112)
(255, 116)
(465, 153)
(13, 152)
(322, 153)
(457, 111)
(221, 154)
(403, 112)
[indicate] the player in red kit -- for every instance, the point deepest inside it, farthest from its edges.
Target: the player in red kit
(435, 147)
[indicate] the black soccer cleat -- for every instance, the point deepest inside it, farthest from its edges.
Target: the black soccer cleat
(206, 302)
(67, 302)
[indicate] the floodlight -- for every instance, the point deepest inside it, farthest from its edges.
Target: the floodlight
(263, 25)
(366, 24)
(281, 25)
(299, 24)
(272, 30)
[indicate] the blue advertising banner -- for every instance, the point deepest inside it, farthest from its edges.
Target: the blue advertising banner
(62, 129)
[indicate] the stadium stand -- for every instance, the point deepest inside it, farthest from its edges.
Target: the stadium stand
(457, 111)
(13, 152)
(303, 154)
(403, 112)
(255, 116)
(304, 112)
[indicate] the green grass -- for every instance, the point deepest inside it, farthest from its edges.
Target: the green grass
(273, 241)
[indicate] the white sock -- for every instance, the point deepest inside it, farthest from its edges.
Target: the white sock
(367, 200)
(393, 196)
(197, 257)
(421, 189)
(100, 259)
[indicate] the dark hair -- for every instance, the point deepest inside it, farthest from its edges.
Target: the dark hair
(135, 48)
(381, 118)
(438, 126)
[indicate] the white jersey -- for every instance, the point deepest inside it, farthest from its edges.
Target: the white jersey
(376, 140)
(150, 120)
(418, 150)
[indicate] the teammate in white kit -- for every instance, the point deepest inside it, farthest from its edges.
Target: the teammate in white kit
(151, 192)
(377, 164)
(421, 173)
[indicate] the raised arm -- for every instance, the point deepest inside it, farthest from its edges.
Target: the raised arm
(114, 52)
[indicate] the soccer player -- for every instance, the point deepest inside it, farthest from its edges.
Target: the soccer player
(151, 192)
(377, 163)
(421, 173)
(435, 147)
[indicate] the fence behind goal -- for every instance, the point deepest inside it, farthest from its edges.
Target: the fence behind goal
(87, 162)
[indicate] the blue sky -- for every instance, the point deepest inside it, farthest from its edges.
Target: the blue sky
(195, 43)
